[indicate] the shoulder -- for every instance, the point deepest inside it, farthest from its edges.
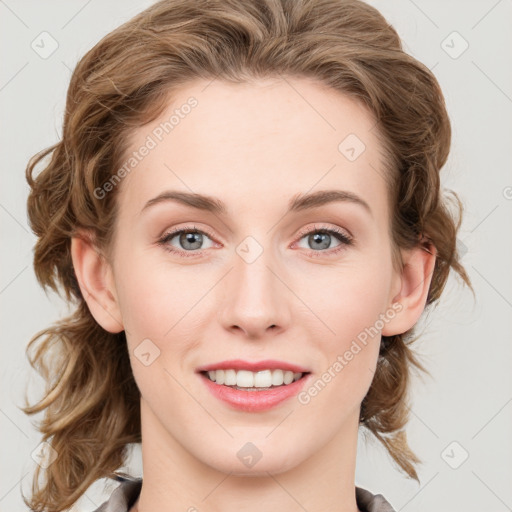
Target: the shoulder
(123, 496)
(368, 502)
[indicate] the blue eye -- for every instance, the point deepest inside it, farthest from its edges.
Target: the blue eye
(191, 241)
(321, 238)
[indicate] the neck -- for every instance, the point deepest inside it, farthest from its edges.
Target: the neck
(176, 480)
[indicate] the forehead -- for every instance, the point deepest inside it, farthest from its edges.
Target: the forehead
(262, 141)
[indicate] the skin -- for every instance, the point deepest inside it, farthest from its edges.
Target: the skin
(253, 146)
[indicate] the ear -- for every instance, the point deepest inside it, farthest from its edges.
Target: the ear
(415, 282)
(95, 278)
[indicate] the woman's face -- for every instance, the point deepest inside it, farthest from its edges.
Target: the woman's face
(255, 283)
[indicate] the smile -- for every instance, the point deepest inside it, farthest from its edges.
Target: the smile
(254, 381)
(250, 397)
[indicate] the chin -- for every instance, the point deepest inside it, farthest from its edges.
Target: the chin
(276, 462)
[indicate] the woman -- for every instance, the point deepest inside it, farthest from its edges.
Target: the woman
(245, 208)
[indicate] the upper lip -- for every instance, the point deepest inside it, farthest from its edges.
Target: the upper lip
(255, 366)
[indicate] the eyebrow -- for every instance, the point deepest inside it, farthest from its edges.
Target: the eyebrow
(297, 203)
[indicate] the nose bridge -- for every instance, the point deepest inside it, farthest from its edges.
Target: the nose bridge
(255, 297)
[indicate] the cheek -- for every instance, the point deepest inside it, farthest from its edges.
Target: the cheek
(154, 297)
(164, 305)
(348, 354)
(350, 313)
(156, 305)
(348, 299)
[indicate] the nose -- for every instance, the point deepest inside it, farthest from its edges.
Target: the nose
(256, 300)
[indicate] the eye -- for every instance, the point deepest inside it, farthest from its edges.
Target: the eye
(190, 239)
(321, 238)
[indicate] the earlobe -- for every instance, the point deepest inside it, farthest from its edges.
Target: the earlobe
(416, 277)
(94, 277)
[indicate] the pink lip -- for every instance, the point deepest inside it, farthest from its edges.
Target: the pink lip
(239, 364)
(254, 401)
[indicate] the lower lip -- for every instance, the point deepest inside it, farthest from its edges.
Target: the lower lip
(254, 401)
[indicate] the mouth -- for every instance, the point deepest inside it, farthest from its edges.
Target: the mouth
(249, 391)
(245, 380)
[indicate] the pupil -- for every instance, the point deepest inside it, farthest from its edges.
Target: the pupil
(191, 238)
(321, 237)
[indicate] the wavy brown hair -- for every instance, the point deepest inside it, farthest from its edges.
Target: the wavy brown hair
(91, 402)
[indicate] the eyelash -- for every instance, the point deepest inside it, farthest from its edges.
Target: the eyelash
(338, 234)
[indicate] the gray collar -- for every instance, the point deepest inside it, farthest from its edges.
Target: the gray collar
(125, 495)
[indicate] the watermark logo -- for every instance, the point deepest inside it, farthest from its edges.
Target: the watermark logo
(454, 455)
(454, 45)
(462, 248)
(146, 352)
(249, 454)
(44, 454)
(45, 45)
(351, 147)
(249, 249)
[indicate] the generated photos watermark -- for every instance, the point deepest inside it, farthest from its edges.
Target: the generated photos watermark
(150, 143)
(342, 360)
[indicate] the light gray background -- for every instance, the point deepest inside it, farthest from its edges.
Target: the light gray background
(465, 409)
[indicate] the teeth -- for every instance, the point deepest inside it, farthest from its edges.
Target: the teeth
(247, 379)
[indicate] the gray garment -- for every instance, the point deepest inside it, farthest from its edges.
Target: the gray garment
(125, 495)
